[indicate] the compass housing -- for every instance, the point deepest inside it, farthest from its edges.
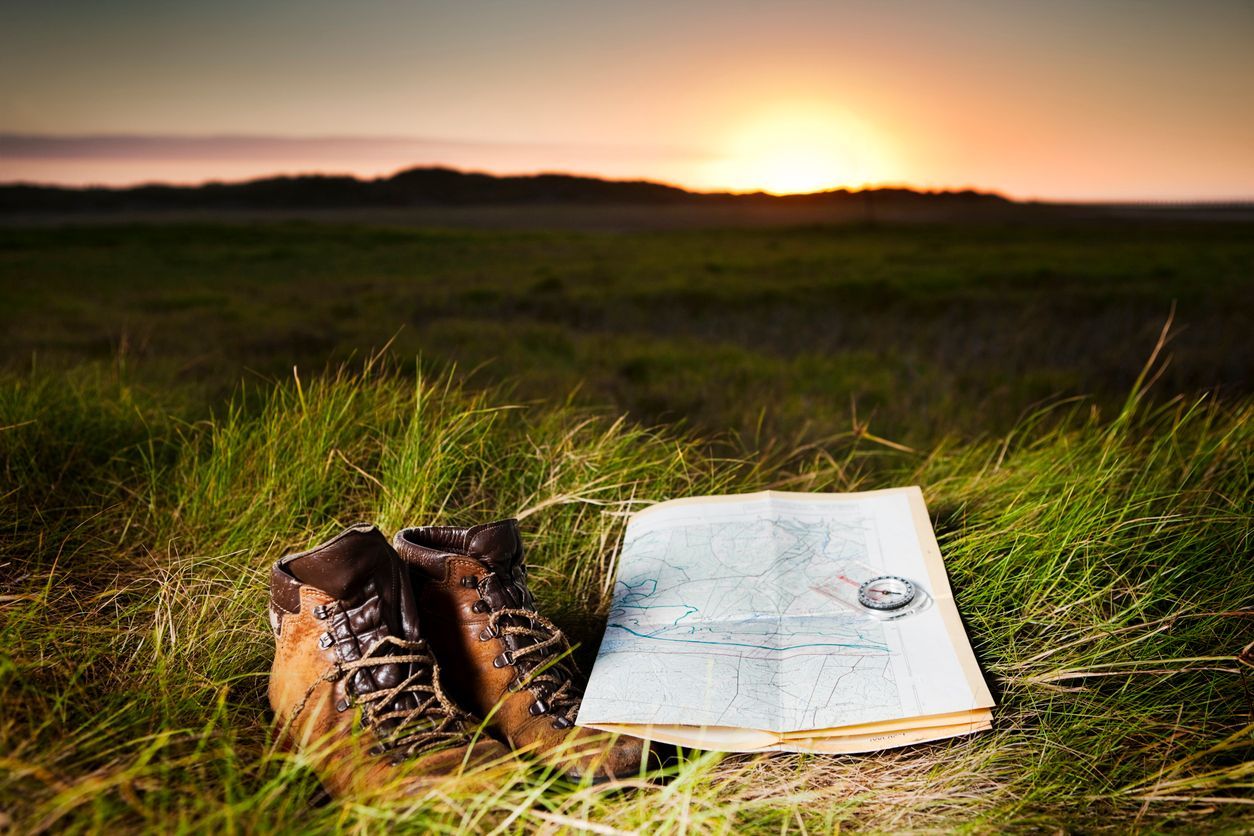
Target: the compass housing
(886, 593)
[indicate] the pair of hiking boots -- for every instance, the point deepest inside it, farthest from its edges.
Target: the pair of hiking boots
(387, 654)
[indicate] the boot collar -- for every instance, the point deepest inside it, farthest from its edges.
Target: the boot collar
(496, 544)
(350, 567)
(334, 566)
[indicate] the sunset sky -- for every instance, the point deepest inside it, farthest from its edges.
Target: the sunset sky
(1064, 100)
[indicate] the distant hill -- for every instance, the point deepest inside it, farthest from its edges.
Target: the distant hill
(423, 187)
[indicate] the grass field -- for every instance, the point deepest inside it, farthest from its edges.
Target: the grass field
(157, 452)
(924, 331)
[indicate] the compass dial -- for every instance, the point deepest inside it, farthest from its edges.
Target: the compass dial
(886, 592)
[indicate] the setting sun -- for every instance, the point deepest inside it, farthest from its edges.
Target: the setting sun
(798, 148)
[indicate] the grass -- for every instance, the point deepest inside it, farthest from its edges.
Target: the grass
(927, 331)
(157, 453)
(1101, 566)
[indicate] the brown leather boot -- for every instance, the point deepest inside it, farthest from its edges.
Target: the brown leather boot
(354, 685)
(503, 659)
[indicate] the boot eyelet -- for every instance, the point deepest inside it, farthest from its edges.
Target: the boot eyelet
(469, 581)
(504, 660)
(479, 606)
(343, 705)
(488, 633)
(538, 707)
(561, 723)
(320, 612)
(326, 640)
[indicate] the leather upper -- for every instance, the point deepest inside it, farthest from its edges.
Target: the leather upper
(333, 606)
(359, 570)
(465, 578)
(490, 556)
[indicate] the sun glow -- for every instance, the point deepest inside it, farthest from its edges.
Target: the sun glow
(797, 148)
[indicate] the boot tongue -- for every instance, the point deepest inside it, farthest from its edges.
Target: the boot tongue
(498, 547)
(496, 544)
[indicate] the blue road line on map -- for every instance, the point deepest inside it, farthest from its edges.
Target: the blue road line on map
(691, 610)
(638, 634)
(628, 599)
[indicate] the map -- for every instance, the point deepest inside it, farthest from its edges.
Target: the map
(729, 612)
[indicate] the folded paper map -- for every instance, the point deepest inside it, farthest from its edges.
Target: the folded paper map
(786, 622)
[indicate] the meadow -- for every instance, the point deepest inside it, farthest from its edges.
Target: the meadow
(181, 404)
(922, 331)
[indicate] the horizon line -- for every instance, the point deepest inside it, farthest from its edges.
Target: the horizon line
(115, 147)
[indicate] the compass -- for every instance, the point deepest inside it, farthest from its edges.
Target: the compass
(886, 593)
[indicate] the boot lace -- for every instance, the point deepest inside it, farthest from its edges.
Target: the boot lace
(432, 722)
(544, 662)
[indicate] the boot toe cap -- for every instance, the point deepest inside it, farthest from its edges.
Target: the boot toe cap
(603, 757)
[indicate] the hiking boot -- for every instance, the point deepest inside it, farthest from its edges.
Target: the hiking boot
(354, 685)
(504, 660)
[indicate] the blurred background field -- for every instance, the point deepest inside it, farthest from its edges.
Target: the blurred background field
(921, 331)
